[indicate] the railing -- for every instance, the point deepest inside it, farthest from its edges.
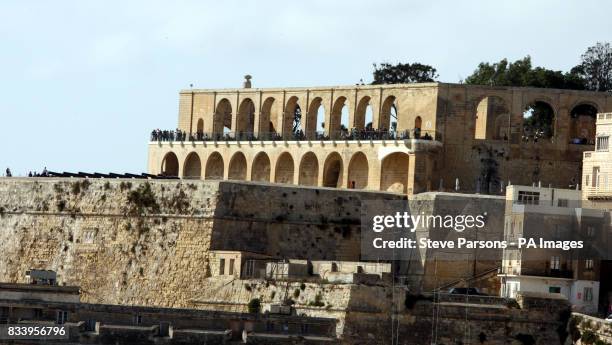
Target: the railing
(355, 134)
(598, 192)
(442, 297)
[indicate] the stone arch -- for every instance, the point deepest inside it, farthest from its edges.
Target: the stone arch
(260, 170)
(363, 106)
(309, 170)
(222, 121)
(170, 165)
(358, 170)
(492, 119)
(539, 120)
(332, 171)
(291, 107)
(268, 119)
(200, 127)
(237, 169)
(394, 172)
(284, 169)
(214, 167)
(338, 120)
(388, 114)
(193, 166)
(418, 123)
(583, 118)
(245, 121)
(315, 119)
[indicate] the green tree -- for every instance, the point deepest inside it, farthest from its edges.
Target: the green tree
(522, 73)
(595, 67)
(386, 73)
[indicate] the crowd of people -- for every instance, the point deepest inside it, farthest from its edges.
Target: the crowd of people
(343, 134)
(168, 135)
(44, 173)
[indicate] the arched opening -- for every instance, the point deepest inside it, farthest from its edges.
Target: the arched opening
(394, 173)
(214, 167)
(193, 166)
(492, 119)
(260, 171)
(309, 170)
(292, 117)
(363, 114)
(339, 118)
(417, 127)
(170, 165)
(237, 167)
(200, 129)
(332, 171)
(245, 123)
(222, 122)
(582, 124)
(358, 171)
(268, 119)
(388, 115)
(538, 121)
(284, 169)
(315, 119)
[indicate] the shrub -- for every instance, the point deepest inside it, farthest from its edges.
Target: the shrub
(588, 337)
(296, 293)
(254, 306)
(318, 301)
(142, 199)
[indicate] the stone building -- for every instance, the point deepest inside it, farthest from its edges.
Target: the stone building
(406, 138)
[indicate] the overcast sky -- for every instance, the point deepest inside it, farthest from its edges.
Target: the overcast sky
(82, 83)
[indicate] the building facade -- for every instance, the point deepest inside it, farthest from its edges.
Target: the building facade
(406, 138)
(553, 215)
(597, 165)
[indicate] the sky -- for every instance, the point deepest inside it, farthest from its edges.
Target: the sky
(83, 83)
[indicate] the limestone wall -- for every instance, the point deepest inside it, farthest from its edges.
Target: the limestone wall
(139, 242)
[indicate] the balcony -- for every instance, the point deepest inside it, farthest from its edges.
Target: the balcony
(343, 135)
(597, 193)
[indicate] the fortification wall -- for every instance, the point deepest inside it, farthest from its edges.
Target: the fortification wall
(148, 242)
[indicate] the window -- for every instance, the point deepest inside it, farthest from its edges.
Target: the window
(528, 198)
(137, 319)
(555, 262)
(590, 231)
(562, 203)
(587, 179)
(90, 325)
(602, 143)
(595, 176)
(61, 317)
(554, 289)
(231, 266)
(588, 294)
(588, 264)
(249, 268)
(221, 267)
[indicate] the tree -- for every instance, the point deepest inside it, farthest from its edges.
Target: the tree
(596, 67)
(522, 73)
(386, 73)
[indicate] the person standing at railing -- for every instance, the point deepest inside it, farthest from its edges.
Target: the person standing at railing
(8, 172)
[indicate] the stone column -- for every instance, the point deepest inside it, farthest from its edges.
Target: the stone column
(417, 171)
